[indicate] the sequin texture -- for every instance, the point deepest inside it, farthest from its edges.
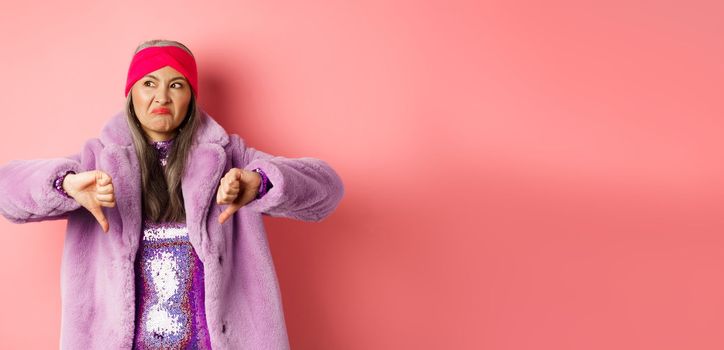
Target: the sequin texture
(170, 311)
(163, 148)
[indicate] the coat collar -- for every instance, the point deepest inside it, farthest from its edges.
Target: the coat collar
(118, 132)
(205, 166)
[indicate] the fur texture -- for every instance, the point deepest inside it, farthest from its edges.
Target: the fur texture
(243, 302)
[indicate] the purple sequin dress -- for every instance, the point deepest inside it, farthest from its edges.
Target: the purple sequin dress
(170, 310)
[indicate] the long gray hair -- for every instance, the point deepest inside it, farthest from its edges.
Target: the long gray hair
(161, 188)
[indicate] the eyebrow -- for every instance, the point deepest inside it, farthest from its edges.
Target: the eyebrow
(154, 77)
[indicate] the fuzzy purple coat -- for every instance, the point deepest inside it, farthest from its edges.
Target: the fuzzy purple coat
(243, 301)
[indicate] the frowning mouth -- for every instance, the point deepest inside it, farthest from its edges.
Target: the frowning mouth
(161, 111)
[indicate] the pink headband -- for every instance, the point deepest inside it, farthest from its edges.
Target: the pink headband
(155, 57)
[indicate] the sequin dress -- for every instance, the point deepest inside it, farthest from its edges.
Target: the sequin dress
(170, 311)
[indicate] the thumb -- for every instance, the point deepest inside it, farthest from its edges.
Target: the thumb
(97, 212)
(228, 212)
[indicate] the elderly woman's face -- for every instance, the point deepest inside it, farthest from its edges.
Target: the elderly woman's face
(161, 100)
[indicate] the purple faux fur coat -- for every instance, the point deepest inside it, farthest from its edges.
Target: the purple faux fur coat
(243, 302)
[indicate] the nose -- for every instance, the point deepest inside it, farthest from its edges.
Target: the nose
(162, 96)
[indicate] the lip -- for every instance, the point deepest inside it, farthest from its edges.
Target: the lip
(161, 111)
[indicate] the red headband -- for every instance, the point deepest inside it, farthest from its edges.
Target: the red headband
(155, 57)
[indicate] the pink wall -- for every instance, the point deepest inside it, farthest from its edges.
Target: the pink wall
(519, 175)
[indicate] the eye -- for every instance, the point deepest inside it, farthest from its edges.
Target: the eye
(179, 85)
(146, 83)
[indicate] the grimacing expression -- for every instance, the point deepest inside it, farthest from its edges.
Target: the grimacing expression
(161, 100)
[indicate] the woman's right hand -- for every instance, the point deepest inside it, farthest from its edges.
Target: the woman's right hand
(92, 190)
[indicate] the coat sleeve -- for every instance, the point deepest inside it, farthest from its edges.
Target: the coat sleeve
(27, 193)
(304, 188)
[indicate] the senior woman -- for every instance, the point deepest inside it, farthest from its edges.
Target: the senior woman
(165, 246)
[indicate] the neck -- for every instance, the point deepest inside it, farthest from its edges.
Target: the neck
(158, 137)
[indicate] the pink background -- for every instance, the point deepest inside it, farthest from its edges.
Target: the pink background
(519, 175)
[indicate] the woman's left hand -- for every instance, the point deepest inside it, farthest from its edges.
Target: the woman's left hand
(237, 188)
